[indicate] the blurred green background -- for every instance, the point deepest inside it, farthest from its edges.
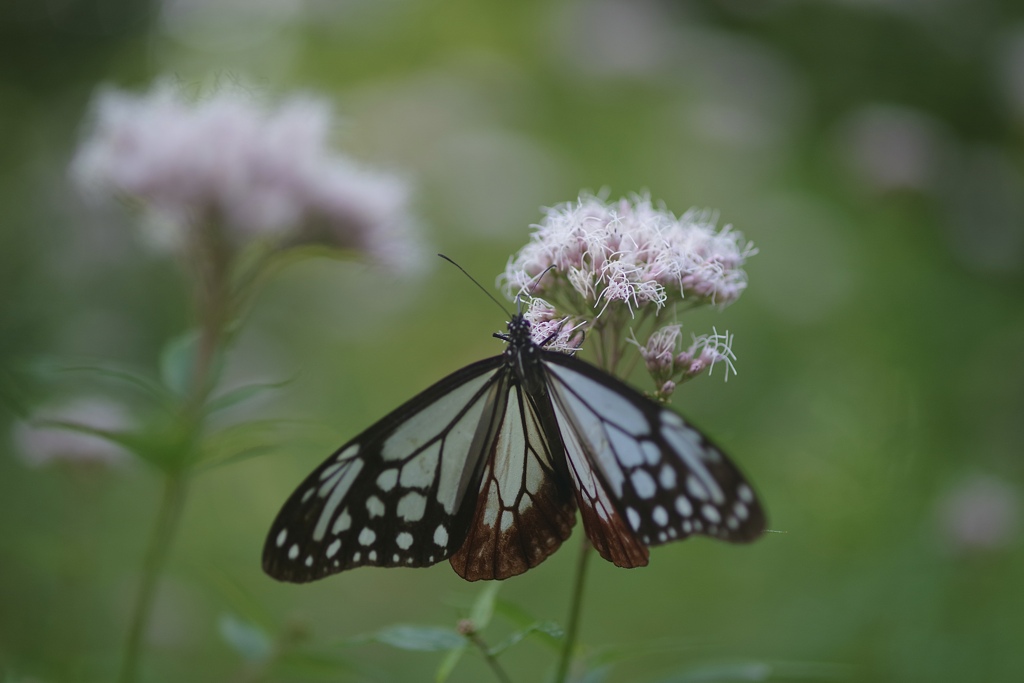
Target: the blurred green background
(873, 151)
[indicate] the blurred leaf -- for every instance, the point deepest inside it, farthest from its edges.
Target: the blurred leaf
(549, 632)
(247, 639)
(240, 442)
(448, 664)
(419, 638)
(45, 370)
(597, 674)
(243, 393)
(551, 635)
(621, 653)
(723, 673)
(139, 381)
(312, 666)
(178, 363)
(483, 607)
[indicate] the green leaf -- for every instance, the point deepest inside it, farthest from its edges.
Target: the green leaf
(448, 664)
(548, 632)
(550, 636)
(483, 607)
(723, 673)
(178, 363)
(311, 665)
(419, 638)
(240, 442)
(141, 382)
(247, 639)
(621, 653)
(243, 393)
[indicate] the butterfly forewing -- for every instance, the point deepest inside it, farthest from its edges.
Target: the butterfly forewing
(394, 495)
(663, 478)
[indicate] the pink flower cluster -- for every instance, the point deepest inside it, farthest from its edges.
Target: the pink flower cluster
(251, 171)
(631, 252)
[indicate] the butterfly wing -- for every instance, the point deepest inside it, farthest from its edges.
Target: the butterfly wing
(643, 475)
(525, 508)
(402, 492)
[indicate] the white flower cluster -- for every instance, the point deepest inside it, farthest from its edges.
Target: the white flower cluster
(632, 252)
(249, 170)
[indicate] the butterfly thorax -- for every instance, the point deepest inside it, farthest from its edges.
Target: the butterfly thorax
(522, 354)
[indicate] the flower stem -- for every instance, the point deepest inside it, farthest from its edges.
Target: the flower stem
(168, 516)
(489, 657)
(575, 609)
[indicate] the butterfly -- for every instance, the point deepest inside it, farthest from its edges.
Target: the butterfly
(487, 467)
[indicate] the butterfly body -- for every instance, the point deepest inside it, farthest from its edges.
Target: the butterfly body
(487, 467)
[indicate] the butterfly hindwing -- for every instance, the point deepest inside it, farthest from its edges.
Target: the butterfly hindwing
(525, 507)
(394, 495)
(663, 478)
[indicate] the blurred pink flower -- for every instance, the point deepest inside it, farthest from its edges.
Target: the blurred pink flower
(980, 513)
(250, 170)
(39, 445)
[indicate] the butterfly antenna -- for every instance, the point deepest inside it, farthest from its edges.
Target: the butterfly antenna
(473, 280)
(534, 281)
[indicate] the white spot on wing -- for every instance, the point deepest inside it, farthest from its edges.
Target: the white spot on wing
(745, 494)
(367, 536)
(374, 506)
(419, 472)
(683, 506)
(507, 519)
(441, 535)
(660, 516)
(330, 470)
(629, 451)
(343, 522)
(372, 556)
(741, 510)
(711, 514)
(309, 560)
(411, 506)
(688, 445)
(332, 549)
(404, 540)
(293, 552)
(282, 536)
(695, 488)
(340, 489)
(634, 518)
(387, 480)
(667, 477)
(349, 452)
(643, 483)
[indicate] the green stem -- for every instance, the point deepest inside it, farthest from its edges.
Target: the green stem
(168, 516)
(575, 609)
(489, 657)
